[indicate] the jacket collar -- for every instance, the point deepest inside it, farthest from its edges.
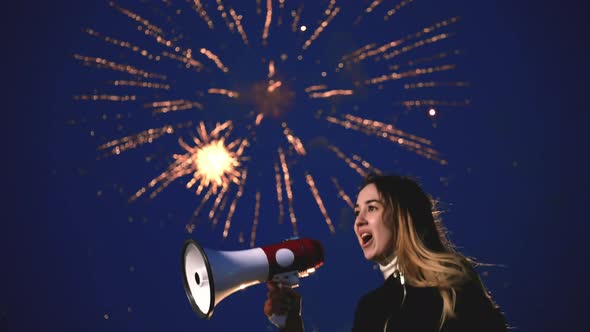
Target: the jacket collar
(389, 267)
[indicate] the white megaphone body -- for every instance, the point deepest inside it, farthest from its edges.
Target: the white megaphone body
(210, 276)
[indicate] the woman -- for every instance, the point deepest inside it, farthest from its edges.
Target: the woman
(428, 285)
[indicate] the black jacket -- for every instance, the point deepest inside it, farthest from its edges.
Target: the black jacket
(422, 307)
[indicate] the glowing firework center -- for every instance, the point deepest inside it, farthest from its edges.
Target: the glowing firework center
(213, 161)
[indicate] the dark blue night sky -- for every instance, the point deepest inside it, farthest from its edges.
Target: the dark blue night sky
(76, 256)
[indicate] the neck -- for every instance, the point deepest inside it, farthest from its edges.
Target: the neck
(388, 266)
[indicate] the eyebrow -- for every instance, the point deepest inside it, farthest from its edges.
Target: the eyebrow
(370, 201)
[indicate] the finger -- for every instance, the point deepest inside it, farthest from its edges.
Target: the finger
(275, 309)
(273, 285)
(268, 308)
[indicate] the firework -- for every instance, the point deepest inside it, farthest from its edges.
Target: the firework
(213, 91)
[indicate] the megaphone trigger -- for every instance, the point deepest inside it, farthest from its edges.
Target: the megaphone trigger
(287, 279)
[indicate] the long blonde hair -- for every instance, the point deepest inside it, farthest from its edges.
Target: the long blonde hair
(424, 254)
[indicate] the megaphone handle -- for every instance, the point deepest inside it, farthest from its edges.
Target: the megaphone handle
(278, 320)
(286, 279)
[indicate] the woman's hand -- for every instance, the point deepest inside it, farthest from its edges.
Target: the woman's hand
(284, 301)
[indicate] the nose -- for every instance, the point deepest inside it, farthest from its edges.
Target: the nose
(360, 220)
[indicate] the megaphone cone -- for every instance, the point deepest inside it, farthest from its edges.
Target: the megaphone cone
(209, 276)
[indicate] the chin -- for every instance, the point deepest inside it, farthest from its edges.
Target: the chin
(370, 256)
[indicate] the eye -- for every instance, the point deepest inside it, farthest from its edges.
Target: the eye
(372, 208)
(356, 213)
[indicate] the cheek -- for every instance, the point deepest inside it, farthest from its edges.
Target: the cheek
(388, 234)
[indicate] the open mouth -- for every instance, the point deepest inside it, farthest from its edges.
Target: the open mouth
(366, 238)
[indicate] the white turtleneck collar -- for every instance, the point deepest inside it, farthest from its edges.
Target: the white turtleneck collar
(389, 268)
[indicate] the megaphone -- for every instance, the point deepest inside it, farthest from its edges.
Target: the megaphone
(210, 276)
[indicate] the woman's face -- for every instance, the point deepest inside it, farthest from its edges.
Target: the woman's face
(375, 236)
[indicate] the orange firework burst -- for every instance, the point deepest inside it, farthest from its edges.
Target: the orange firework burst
(210, 162)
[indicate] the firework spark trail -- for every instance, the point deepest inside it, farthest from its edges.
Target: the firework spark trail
(202, 204)
(165, 103)
(348, 161)
(161, 188)
(296, 18)
(341, 193)
(186, 59)
(289, 192)
(232, 208)
(384, 131)
(377, 128)
(430, 103)
(396, 9)
(331, 93)
(106, 64)
(279, 189)
(164, 179)
(215, 132)
(243, 144)
(271, 69)
(158, 35)
(130, 142)
(218, 201)
(225, 92)
(146, 27)
(123, 44)
(259, 118)
(221, 9)
(318, 199)
(357, 52)
(321, 28)
(331, 5)
(433, 84)
(211, 56)
(435, 57)
(238, 19)
(173, 106)
(141, 84)
(274, 85)
(136, 18)
(351, 162)
(293, 140)
(267, 22)
(220, 210)
(198, 7)
(383, 48)
(368, 10)
(417, 44)
(406, 74)
(366, 164)
(255, 222)
(315, 88)
(106, 98)
(384, 127)
(398, 42)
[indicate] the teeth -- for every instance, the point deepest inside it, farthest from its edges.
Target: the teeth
(366, 237)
